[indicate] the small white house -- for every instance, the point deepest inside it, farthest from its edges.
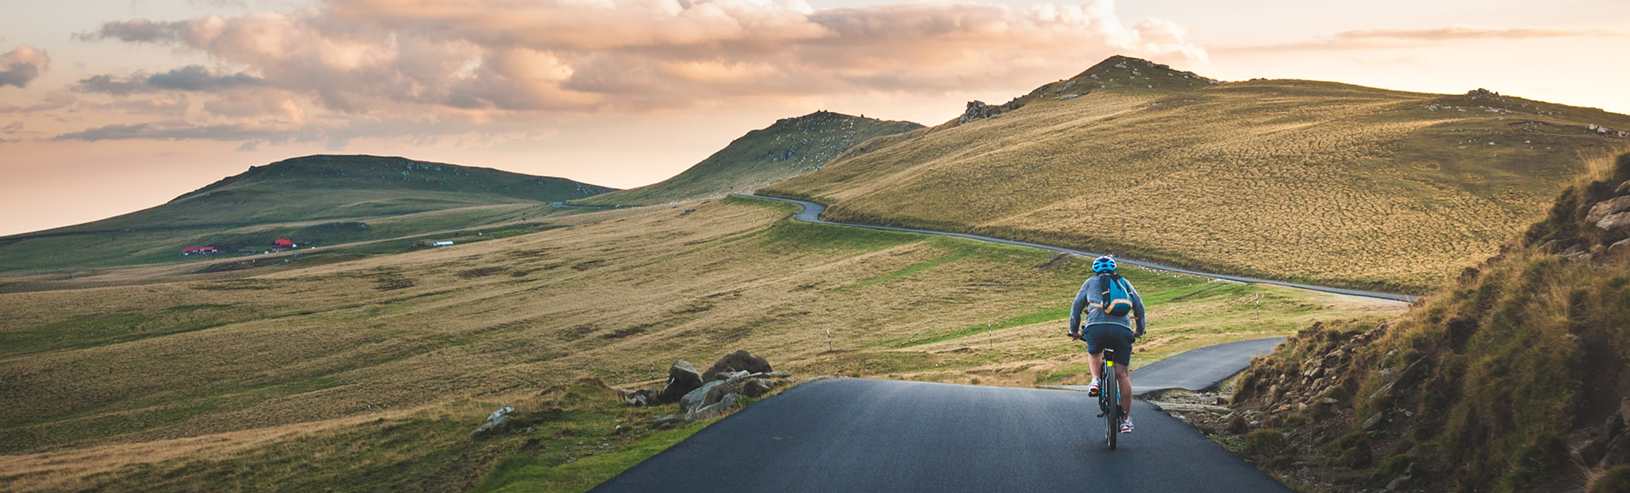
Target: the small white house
(442, 243)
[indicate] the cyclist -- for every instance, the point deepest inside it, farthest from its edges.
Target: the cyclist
(1103, 330)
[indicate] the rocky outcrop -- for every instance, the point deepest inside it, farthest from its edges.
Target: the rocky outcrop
(737, 376)
(978, 110)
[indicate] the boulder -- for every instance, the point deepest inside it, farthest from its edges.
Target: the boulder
(1615, 223)
(496, 421)
(757, 387)
(1624, 188)
(1608, 207)
(738, 361)
(717, 409)
(705, 395)
(682, 379)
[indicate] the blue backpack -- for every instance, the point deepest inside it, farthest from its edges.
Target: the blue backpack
(1117, 302)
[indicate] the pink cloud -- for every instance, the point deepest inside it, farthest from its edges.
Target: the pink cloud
(385, 56)
(22, 65)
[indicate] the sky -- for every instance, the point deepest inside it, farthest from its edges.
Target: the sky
(111, 106)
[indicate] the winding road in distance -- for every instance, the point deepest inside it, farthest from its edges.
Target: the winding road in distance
(812, 213)
(916, 437)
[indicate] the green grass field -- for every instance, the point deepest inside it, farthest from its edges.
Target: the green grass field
(384, 362)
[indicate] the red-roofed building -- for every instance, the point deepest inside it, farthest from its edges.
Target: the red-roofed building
(282, 244)
(203, 250)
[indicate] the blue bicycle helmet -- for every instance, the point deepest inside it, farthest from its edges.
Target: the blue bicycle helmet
(1103, 264)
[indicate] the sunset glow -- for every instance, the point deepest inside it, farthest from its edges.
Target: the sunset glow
(116, 105)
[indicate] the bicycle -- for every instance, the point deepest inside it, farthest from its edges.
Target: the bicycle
(1109, 399)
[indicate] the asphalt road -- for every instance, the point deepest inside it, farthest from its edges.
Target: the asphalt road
(812, 213)
(1197, 369)
(882, 435)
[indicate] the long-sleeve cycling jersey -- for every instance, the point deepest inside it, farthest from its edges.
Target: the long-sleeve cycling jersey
(1091, 293)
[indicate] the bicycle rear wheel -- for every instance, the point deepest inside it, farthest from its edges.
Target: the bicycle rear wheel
(1110, 395)
(1112, 417)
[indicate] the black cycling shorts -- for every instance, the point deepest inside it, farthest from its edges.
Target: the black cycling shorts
(1110, 336)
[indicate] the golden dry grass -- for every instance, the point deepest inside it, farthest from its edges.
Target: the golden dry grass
(619, 295)
(1296, 180)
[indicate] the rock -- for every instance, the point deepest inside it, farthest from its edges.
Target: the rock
(496, 421)
(491, 426)
(682, 378)
(1223, 400)
(738, 360)
(1615, 222)
(736, 378)
(1387, 374)
(1608, 207)
(1624, 188)
(1328, 400)
(757, 387)
(703, 396)
(1301, 407)
(978, 110)
(1586, 447)
(1618, 452)
(1397, 483)
(641, 397)
(1619, 246)
(666, 421)
(1373, 422)
(717, 409)
(776, 374)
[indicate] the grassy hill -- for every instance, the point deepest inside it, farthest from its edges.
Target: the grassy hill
(790, 147)
(313, 199)
(1510, 378)
(1300, 180)
(369, 374)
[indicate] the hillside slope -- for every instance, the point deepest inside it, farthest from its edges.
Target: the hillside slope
(790, 147)
(1298, 180)
(369, 374)
(313, 199)
(1515, 377)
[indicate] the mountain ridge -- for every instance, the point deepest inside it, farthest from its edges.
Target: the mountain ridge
(327, 198)
(787, 148)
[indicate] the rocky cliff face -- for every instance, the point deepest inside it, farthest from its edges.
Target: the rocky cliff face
(1512, 378)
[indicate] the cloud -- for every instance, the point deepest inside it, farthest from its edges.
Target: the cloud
(189, 78)
(22, 65)
(52, 101)
(176, 130)
(1394, 38)
(383, 57)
